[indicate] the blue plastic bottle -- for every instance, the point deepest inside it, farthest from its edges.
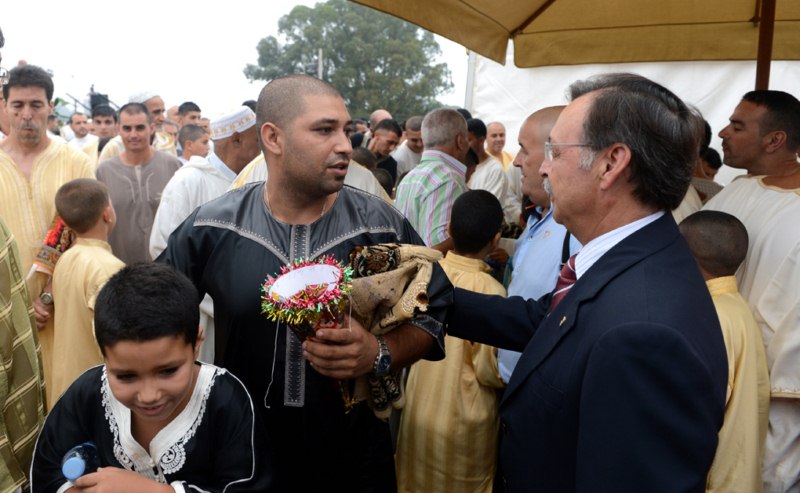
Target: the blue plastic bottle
(81, 459)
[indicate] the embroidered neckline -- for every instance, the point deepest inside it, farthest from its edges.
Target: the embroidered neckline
(169, 445)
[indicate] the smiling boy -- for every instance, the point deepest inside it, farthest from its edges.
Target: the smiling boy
(161, 421)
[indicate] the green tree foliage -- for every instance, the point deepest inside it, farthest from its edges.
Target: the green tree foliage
(375, 60)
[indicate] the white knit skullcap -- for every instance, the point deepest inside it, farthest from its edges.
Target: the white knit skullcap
(141, 97)
(235, 120)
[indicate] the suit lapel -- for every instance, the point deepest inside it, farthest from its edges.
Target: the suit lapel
(550, 331)
(557, 324)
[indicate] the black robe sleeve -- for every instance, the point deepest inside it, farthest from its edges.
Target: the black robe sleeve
(73, 420)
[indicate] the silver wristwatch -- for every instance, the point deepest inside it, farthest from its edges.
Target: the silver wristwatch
(47, 298)
(383, 361)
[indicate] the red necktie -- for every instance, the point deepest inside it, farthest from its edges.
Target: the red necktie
(566, 279)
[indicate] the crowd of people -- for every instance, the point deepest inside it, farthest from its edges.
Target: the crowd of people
(592, 314)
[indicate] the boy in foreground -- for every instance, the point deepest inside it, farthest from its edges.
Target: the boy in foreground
(161, 421)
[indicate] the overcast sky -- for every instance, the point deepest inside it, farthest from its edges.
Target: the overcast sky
(184, 50)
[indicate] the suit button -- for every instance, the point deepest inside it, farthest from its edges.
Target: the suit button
(503, 427)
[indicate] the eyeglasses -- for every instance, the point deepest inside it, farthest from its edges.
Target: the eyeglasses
(3, 76)
(548, 149)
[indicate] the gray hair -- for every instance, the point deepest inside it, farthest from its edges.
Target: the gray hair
(662, 132)
(586, 159)
(441, 126)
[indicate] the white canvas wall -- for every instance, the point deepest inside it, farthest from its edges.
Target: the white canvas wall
(509, 94)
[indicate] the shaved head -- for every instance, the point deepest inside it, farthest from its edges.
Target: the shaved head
(717, 240)
(495, 138)
(378, 116)
(283, 99)
(545, 118)
(533, 133)
(496, 125)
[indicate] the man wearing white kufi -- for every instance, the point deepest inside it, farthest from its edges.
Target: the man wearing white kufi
(202, 179)
(160, 140)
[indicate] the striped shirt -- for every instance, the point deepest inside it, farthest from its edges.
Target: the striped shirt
(21, 395)
(426, 195)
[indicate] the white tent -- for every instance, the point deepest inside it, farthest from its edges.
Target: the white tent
(509, 94)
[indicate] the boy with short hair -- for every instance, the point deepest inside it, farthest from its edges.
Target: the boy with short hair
(160, 420)
(719, 243)
(449, 426)
(195, 141)
(84, 206)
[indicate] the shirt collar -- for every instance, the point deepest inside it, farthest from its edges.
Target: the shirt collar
(722, 285)
(217, 163)
(429, 154)
(592, 251)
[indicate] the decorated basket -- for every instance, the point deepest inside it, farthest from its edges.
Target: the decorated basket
(307, 295)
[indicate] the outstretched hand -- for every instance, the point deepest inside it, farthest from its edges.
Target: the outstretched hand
(344, 352)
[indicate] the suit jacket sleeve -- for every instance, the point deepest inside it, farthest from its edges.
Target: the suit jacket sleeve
(507, 323)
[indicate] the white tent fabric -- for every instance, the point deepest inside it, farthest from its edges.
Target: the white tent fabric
(509, 94)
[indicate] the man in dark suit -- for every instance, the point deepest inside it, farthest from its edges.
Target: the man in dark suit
(621, 384)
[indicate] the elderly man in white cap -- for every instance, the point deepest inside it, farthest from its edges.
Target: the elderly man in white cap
(160, 140)
(154, 104)
(201, 179)
(204, 178)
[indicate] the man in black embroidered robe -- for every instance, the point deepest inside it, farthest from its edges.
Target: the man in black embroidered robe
(229, 246)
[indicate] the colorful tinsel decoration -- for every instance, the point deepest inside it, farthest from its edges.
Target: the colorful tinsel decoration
(314, 302)
(57, 240)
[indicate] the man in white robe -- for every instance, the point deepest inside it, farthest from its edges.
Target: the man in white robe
(489, 174)
(200, 180)
(409, 153)
(79, 124)
(763, 137)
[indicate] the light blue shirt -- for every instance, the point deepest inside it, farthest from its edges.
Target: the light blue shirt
(223, 168)
(536, 265)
